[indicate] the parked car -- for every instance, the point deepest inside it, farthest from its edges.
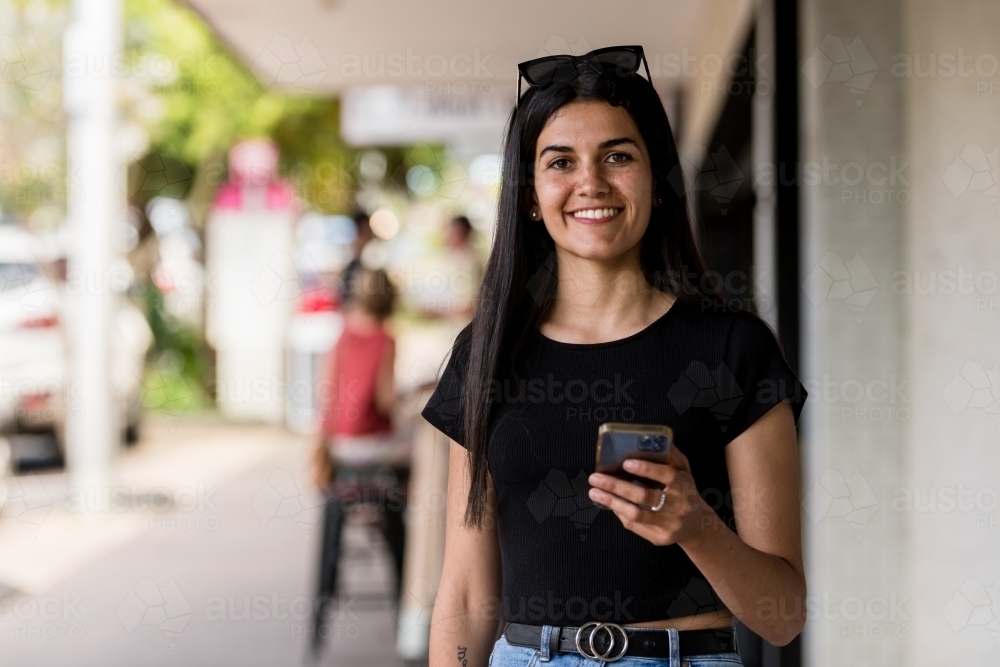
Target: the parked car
(33, 344)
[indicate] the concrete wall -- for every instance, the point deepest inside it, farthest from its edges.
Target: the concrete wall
(853, 231)
(901, 331)
(953, 229)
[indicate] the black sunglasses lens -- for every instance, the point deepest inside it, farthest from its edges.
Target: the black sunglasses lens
(624, 63)
(546, 71)
(614, 60)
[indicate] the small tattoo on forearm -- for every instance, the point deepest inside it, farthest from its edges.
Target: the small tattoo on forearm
(461, 656)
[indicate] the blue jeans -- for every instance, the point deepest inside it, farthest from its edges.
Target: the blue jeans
(508, 655)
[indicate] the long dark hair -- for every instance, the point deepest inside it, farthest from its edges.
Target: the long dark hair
(521, 273)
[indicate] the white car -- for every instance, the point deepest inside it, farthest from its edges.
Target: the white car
(33, 349)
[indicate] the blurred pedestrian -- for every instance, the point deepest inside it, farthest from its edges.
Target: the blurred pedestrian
(452, 277)
(363, 236)
(360, 382)
(459, 233)
(359, 457)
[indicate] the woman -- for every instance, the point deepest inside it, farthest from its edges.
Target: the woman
(593, 309)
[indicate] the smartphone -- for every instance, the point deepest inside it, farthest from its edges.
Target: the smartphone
(618, 441)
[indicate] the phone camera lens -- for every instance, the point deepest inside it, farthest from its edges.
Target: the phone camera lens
(651, 443)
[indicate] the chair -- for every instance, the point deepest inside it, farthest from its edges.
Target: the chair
(381, 487)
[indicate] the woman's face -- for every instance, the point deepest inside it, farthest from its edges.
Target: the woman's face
(593, 181)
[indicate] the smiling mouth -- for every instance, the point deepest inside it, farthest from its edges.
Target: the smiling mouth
(592, 215)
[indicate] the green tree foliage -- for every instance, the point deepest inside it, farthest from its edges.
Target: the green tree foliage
(196, 100)
(314, 158)
(32, 123)
(203, 98)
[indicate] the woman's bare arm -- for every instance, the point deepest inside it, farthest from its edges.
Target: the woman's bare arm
(466, 611)
(385, 382)
(321, 467)
(757, 571)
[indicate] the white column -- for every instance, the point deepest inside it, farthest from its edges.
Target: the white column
(96, 204)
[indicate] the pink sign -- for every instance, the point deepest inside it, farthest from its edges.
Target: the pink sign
(253, 179)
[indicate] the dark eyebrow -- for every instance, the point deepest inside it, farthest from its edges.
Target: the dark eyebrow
(618, 141)
(556, 149)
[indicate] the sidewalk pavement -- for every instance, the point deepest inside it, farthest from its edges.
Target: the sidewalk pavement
(207, 556)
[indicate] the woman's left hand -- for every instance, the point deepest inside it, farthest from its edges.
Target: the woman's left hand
(683, 514)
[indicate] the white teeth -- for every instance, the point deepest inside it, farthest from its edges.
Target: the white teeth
(595, 213)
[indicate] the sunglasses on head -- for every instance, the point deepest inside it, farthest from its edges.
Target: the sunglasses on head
(618, 60)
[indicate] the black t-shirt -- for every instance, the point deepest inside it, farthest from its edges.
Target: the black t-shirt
(565, 561)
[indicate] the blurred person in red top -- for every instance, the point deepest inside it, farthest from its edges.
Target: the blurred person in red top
(357, 436)
(360, 387)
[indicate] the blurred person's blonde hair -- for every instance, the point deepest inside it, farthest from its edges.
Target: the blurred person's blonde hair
(375, 293)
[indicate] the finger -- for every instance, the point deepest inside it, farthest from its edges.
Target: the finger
(658, 472)
(626, 511)
(630, 491)
(609, 482)
(615, 485)
(628, 488)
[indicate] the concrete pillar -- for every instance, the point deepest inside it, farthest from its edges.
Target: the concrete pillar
(950, 70)
(95, 205)
(853, 230)
(425, 528)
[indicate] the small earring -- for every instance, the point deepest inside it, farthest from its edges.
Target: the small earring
(534, 214)
(659, 201)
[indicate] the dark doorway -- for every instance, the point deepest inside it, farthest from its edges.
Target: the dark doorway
(724, 200)
(723, 190)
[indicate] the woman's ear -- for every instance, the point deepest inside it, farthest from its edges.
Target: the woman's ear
(657, 197)
(533, 211)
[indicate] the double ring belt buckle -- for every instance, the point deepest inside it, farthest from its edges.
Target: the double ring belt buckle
(591, 651)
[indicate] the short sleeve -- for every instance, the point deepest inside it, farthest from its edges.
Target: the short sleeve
(444, 409)
(758, 371)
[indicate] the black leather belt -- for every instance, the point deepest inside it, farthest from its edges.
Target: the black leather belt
(609, 641)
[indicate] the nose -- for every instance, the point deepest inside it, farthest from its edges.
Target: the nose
(592, 180)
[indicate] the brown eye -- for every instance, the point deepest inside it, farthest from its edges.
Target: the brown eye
(619, 158)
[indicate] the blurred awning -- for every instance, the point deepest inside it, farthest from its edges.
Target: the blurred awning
(329, 46)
